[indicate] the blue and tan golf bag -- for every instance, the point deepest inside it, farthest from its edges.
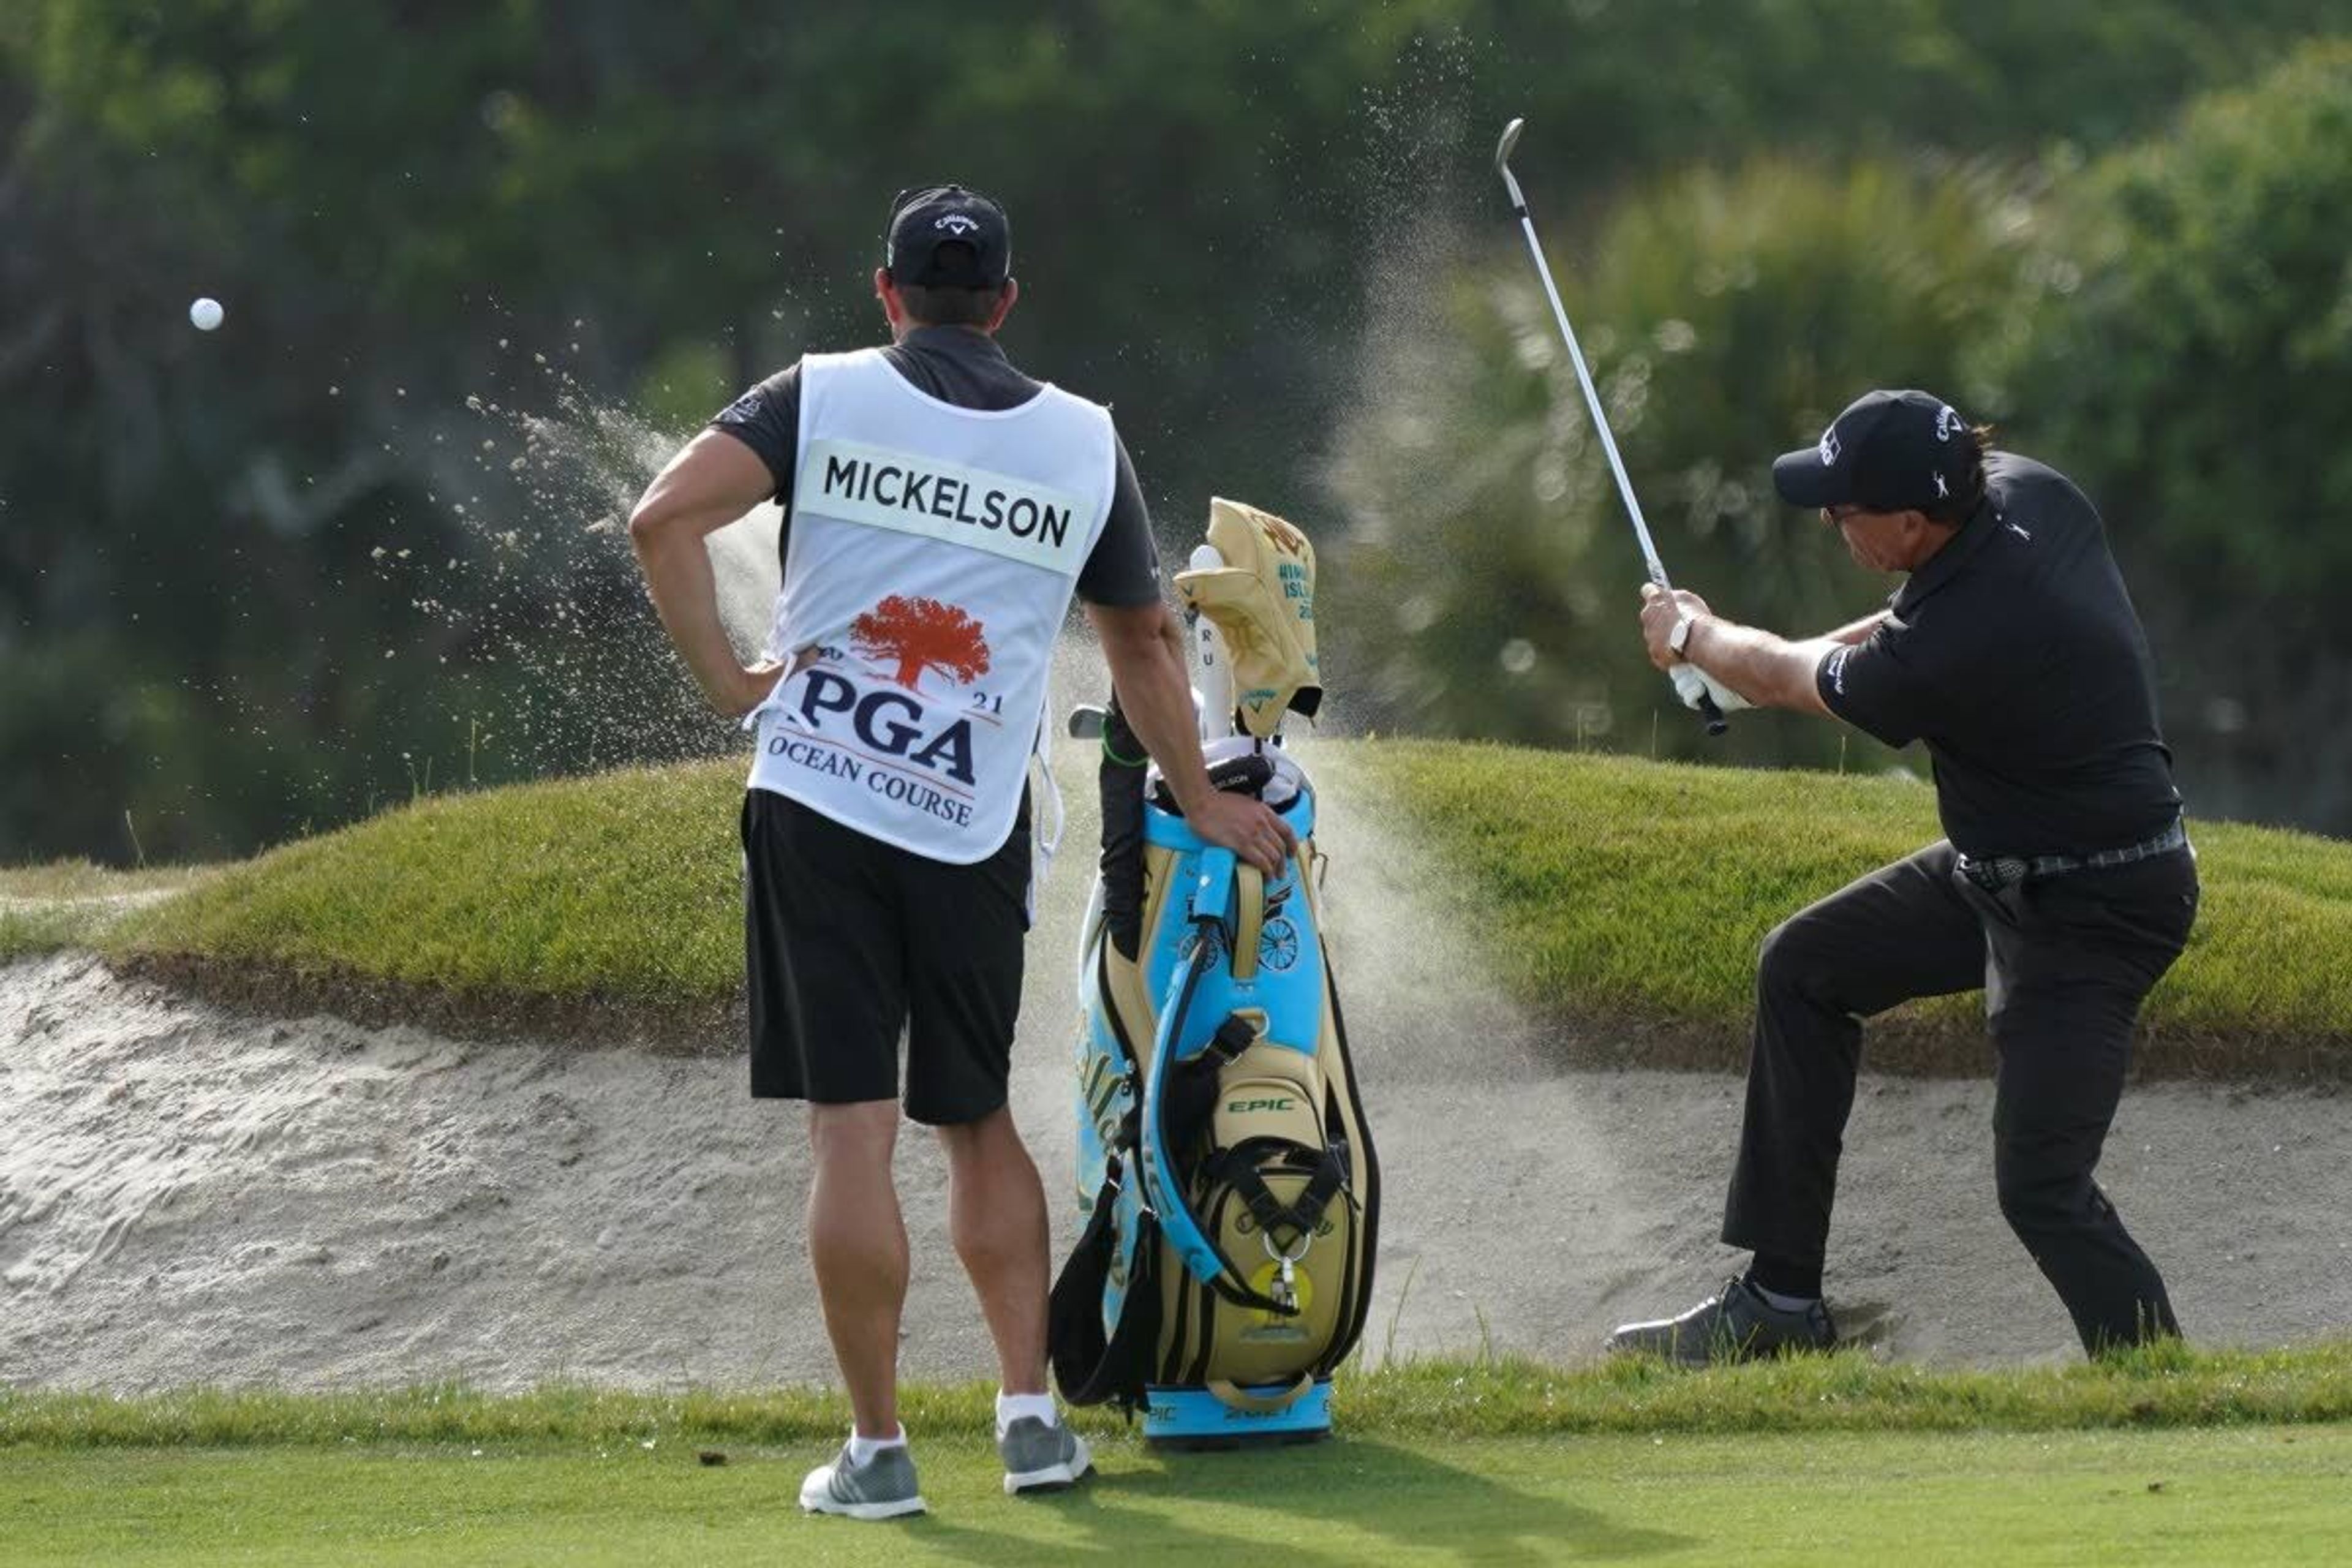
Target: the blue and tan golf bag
(1229, 1184)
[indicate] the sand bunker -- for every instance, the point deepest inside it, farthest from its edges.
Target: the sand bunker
(190, 1196)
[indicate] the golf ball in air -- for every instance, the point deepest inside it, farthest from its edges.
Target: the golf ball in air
(205, 313)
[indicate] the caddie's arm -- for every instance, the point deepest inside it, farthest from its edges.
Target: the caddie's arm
(713, 479)
(1769, 671)
(1146, 656)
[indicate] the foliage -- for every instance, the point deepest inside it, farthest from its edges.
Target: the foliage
(2171, 326)
(2190, 363)
(454, 238)
(1489, 588)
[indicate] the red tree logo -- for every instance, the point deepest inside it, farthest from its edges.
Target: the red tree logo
(921, 635)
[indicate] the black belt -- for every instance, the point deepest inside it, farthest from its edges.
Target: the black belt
(1992, 873)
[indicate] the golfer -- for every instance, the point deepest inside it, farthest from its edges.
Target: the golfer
(942, 509)
(2063, 888)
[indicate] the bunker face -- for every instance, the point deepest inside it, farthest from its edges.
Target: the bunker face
(190, 1196)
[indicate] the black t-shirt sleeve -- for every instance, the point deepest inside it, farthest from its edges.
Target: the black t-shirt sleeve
(767, 420)
(1895, 685)
(1124, 570)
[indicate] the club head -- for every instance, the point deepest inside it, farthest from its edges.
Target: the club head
(1503, 148)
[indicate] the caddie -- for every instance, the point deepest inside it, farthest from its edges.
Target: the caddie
(2063, 888)
(942, 510)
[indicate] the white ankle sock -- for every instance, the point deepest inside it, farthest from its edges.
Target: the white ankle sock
(1012, 1407)
(863, 1449)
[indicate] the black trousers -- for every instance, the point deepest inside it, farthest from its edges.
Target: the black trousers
(2065, 962)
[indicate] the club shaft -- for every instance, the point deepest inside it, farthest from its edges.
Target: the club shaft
(1592, 401)
(1686, 677)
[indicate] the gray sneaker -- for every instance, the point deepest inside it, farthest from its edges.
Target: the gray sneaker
(1735, 1324)
(882, 1487)
(1042, 1457)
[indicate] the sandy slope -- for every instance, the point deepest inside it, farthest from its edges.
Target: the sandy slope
(190, 1196)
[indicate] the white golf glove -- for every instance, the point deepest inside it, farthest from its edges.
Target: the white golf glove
(1691, 683)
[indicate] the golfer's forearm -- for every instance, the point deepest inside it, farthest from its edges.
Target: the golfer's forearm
(1769, 671)
(686, 595)
(1859, 632)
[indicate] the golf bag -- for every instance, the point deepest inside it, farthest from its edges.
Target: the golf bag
(1230, 1185)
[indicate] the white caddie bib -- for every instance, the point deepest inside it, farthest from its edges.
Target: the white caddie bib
(932, 554)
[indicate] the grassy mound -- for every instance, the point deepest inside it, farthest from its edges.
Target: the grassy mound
(1608, 889)
(70, 903)
(1644, 890)
(612, 903)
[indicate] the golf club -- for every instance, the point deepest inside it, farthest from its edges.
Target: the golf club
(1687, 680)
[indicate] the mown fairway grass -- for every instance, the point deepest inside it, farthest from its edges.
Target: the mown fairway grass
(2165, 1386)
(2165, 1456)
(1606, 888)
(2241, 1495)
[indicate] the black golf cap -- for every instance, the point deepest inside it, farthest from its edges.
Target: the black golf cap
(927, 218)
(1889, 451)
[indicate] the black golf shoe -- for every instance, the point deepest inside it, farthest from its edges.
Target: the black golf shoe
(1734, 1324)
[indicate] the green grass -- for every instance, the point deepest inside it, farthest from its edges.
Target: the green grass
(2165, 1456)
(625, 886)
(2243, 1495)
(82, 879)
(2164, 1386)
(73, 904)
(1606, 888)
(1644, 889)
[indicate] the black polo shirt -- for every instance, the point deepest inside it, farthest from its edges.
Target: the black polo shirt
(2015, 654)
(957, 366)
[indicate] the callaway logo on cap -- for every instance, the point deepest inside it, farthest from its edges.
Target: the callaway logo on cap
(945, 236)
(1889, 451)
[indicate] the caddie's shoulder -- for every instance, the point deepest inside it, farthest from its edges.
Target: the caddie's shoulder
(1078, 402)
(843, 359)
(1082, 413)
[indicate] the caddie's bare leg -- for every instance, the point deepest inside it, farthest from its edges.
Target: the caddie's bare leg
(857, 1244)
(996, 1216)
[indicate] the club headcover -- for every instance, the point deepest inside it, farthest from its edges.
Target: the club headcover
(1263, 602)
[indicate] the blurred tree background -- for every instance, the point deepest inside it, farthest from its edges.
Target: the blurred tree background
(485, 262)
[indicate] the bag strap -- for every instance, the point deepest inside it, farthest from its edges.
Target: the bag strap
(1093, 1366)
(1239, 1169)
(1192, 1083)
(1249, 919)
(1162, 1187)
(1301, 1216)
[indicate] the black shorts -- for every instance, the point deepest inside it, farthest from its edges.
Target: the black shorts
(848, 941)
